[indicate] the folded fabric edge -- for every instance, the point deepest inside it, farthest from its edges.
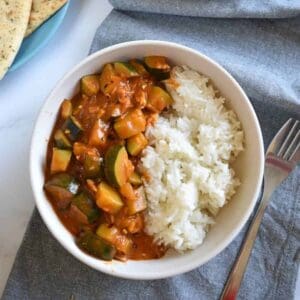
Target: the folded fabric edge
(212, 9)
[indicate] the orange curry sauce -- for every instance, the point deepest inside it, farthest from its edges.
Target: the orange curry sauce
(97, 107)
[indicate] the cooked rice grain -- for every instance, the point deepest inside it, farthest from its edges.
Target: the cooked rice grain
(188, 161)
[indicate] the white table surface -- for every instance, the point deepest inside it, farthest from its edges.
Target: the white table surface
(22, 94)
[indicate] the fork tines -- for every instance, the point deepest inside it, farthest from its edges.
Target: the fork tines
(291, 142)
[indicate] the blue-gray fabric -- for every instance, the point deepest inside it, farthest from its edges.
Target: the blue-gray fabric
(264, 56)
(214, 8)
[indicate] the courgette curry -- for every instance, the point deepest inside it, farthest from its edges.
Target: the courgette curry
(92, 175)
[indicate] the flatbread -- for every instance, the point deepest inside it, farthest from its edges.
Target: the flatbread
(41, 11)
(14, 16)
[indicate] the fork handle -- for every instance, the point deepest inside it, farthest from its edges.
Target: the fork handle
(234, 280)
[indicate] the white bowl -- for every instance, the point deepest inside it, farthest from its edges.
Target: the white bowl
(249, 165)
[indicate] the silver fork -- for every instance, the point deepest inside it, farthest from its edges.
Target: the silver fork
(282, 156)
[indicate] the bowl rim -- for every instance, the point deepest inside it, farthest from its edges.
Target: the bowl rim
(179, 269)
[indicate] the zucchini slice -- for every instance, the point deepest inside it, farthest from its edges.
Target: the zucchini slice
(139, 66)
(131, 124)
(158, 67)
(108, 233)
(89, 157)
(116, 165)
(87, 206)
(136, 144)
(77, 217)
(60, 160)
(62, 187)
(95, 246)
(108, 199)
(112, 235)
(92, 166)
(61, 141)
(90, 85)
(108, 79)
(72, 128)
(125, 69)
(66, 109)
(135, 179)
(158, 99)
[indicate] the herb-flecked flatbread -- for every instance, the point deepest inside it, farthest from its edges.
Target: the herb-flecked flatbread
(14, 16)
(41, 11)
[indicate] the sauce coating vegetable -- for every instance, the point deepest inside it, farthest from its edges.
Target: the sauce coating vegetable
(92, 179)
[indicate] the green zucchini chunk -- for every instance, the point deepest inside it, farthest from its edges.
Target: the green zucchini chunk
(96, 246)
(86, 205)
(72, 128)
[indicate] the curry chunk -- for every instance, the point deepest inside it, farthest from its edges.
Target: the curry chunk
(90, 158)
(127, 191)
(131, 124)
(139, 66)
(108, 199)
(125, 69)
(61, 140)
(93, 158)
(90, 85)
(136, 144)
(99, 132)
(135, 179)
(62, 187)
(117, 166)
(158, 99)
(158, 66)
(96, 246)
(60, 160)
(132, 223)
(87, 206)
(66, 109)
(139, 203)
(112, 235)
(109, 80)
(72, 128)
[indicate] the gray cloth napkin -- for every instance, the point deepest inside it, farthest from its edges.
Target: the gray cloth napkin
(264, 56)
(215, 8)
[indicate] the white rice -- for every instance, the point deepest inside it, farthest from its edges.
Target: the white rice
(188, 162)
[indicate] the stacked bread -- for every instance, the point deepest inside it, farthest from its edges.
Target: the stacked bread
(18, 19)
